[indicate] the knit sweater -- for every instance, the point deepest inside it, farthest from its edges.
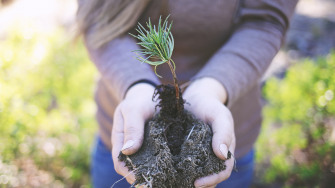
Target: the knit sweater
(232, 41)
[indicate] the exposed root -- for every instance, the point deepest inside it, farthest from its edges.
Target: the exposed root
(148, 181)
(122, 178)
(131, 163)
(189, 134)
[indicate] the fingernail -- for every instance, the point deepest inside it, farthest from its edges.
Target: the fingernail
(128, 144)
(224, 150)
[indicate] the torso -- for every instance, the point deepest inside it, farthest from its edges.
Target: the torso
(199, 29)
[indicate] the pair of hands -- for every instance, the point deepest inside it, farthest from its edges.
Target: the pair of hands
(206, 96)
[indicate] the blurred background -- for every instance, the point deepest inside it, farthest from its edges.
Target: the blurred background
(47, 110)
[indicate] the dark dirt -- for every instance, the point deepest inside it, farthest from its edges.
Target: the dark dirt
(177, 147)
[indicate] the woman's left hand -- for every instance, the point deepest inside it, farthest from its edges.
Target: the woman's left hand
(206, 98)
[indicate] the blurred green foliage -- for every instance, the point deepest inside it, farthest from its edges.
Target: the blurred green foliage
(47, 121)
(47, 110)
(297, 144)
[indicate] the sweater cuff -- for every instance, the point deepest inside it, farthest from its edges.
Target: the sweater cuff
(143, 81)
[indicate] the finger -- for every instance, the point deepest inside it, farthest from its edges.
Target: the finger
(223, 134)
(208, 187)
(134, 121)
(130, 177)
(117, 134)
(214, 179)
(124, 171)
(117, 142)
(232, 151)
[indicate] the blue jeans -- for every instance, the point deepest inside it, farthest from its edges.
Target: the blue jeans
(104, 175)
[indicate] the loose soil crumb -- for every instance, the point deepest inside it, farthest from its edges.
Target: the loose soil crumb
(177, 147)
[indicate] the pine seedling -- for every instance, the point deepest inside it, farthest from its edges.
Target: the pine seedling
(158, 44)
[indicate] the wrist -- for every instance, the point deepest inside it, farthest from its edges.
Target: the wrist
(140, 85)
(208, 86)
(140, 90)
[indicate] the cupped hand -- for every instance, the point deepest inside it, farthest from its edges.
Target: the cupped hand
(128, 124)
(206, 98)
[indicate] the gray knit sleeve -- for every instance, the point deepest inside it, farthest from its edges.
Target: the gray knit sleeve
(118, 65)
(240, 63)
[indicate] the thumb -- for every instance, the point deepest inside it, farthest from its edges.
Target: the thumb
(223, 139)
(133, 132)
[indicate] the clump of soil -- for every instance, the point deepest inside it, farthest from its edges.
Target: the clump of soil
(177, 147)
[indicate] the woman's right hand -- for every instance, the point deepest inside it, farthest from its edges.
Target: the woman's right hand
(128, 124)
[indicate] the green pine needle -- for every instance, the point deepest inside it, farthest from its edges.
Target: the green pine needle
(157, 43)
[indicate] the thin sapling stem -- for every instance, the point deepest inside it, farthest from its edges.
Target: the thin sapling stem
(175, 80)
(158, 44)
